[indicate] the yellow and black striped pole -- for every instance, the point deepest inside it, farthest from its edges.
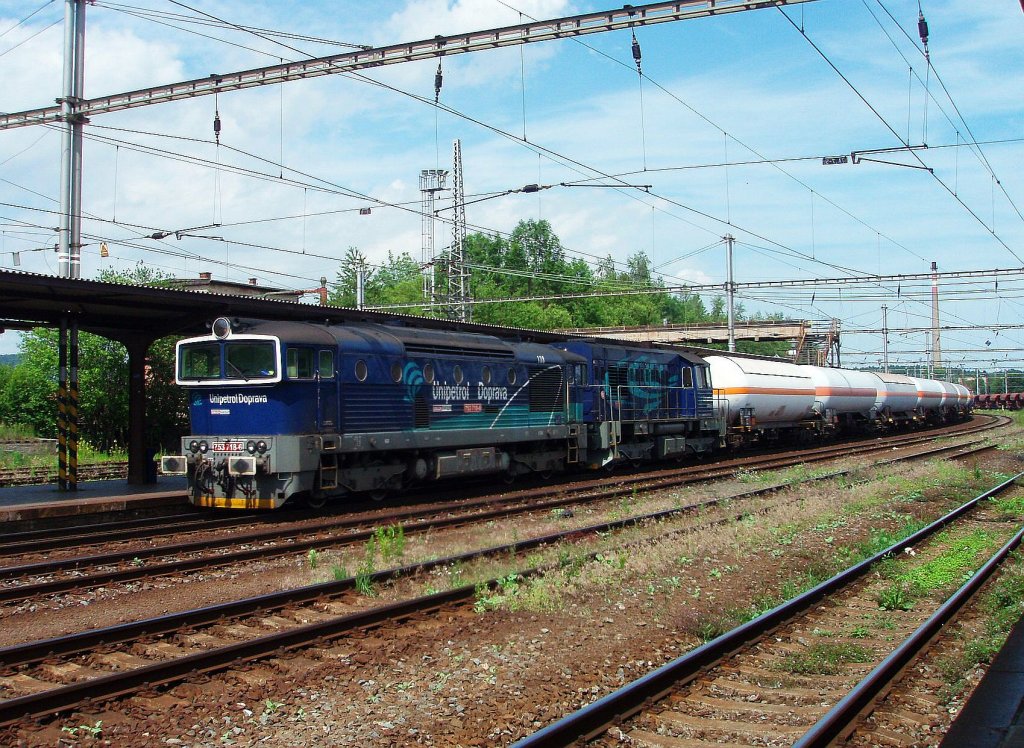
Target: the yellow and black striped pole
(73, 411)
(62, 415)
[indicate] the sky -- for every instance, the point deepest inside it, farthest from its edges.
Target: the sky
(724, 134)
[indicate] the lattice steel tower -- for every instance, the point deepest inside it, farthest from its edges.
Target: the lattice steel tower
(432, 181)
(458, 276)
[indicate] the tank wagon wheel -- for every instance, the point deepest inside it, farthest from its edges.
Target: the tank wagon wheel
(316, 500)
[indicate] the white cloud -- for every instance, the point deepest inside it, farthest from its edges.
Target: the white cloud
(750, 73)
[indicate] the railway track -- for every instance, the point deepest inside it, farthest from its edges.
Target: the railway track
(801, 674)
(31, 476)
(28, 580)
(69, 537)
(51, 676)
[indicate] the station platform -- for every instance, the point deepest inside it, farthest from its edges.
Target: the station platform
(994, 715)
(19, 504)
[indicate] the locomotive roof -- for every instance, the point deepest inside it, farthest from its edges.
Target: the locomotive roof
(379, 338)
(423, 341)
(288, 332)
(606, 345)
(532, 352)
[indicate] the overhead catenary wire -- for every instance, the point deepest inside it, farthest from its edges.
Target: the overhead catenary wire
(25, 20)
(974, 143)
(889, 127)
(685, 207)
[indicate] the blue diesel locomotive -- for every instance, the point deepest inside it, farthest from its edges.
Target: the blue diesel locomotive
(284, 410)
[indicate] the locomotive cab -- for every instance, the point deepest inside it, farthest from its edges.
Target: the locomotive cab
(259, 402)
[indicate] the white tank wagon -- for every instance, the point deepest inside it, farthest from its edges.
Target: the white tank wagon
(949, 396)
(930, 395)
(941, 401)
(964, 399)
(843, 394)
(897, 398)
(756, 397)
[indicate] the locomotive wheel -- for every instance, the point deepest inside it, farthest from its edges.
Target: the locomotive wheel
(378, 494)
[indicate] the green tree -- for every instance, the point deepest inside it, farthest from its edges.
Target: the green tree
(28, 391)
(343, 290)
(102, 386)
(532, 262)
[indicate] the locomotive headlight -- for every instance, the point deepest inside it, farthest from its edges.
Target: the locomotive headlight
(250, 447)
(261, 446)
(204, 447)
(193, 446)
(221, 327)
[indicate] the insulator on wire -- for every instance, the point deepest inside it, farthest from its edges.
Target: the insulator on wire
(922, 28)
(216, 126)
(636, 54)
(438, 82)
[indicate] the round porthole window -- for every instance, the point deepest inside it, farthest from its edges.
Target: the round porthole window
(428, 373)
(457, 373)
(361, 370)
(511, 376)
(396, 372)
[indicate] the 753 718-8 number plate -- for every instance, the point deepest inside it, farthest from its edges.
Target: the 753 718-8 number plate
(227, 446)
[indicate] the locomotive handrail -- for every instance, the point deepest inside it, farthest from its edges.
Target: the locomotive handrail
(661, 412)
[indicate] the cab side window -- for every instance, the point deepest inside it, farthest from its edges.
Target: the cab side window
(325, 365)
(300, 363)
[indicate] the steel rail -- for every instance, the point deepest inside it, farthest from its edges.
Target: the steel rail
(23, 592)
(594, 718)
(21, 654)
(33, 541)
(32, 651)
(160, 673)
(844, 714)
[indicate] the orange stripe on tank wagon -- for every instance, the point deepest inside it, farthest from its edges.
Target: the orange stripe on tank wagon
(845, 391)
(761, 391)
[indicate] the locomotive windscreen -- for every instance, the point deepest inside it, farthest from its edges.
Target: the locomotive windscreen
(243, 359)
